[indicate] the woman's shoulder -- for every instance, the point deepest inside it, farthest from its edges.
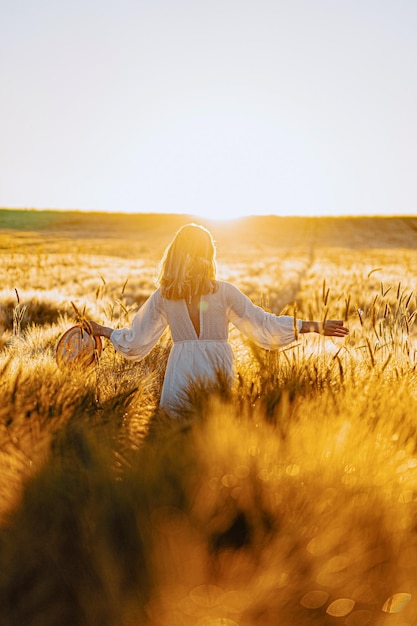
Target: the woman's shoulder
(157, 298)
(221, 286)
(224, 288)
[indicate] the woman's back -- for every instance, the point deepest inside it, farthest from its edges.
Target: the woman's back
(204, 318)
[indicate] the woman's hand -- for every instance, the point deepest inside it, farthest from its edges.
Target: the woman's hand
(333, 328)
(330, 328)
(98, 330)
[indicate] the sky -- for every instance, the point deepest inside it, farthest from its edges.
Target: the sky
(217, 108)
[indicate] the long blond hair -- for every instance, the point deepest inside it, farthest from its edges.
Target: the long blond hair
(188, 266)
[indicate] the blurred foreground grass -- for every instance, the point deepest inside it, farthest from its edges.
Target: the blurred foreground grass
(290, 499)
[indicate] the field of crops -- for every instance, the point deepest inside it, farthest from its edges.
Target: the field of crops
(290, 499)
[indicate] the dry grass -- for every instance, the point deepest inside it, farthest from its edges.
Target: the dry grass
(290, 499)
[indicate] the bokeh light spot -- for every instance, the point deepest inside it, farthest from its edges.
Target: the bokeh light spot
(359, 618)
(340, 607)
(229, 480)
(293, 470)
(314, 599)
(396, 602)
(207, 595)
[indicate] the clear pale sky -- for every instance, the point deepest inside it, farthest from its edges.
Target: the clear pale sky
(209, 107)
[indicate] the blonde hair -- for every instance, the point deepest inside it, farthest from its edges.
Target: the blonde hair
(188, 266)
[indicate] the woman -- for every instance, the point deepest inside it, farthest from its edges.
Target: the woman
(198, 309)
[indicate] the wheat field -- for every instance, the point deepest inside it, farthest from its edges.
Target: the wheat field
(289, 499)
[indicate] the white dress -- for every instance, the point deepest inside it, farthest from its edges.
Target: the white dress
(199, 358)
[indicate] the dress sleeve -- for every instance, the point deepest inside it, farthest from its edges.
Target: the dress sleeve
(266, 329)
(147, 327)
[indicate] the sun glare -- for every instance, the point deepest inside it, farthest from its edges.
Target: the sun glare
(223, 219)
(219, 215)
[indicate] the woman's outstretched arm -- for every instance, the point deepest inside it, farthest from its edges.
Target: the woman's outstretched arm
(147, 327)
(273, 331)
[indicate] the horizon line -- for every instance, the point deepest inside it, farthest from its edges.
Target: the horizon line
(200, 216)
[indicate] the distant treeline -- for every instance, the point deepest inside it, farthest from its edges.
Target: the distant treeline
(104, 223)
(352, 232)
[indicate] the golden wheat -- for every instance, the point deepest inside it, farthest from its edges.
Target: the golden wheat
(289, 499)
